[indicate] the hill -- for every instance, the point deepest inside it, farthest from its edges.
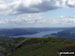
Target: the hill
(24, 31)
(50, 46)
(66, 34)
(6, 45)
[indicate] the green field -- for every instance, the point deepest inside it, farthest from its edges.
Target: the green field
(50, 46)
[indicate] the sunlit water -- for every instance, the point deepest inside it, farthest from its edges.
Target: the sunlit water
(40, 34)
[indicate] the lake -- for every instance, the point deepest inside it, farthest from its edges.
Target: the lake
(40, 34)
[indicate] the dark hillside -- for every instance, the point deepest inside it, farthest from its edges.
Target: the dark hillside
(42, 47)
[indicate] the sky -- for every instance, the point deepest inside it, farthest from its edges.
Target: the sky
(37, 13)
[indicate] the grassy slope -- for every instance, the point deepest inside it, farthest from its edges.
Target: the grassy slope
(42, 47)
(6, 45)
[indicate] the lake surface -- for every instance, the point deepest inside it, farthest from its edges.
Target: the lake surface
(40, 34)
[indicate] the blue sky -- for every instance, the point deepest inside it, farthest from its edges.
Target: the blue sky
(37, 13)
(59, 12)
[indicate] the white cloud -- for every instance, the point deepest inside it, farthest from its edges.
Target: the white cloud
(27, 18)
(71, 3)
(9, 7)
(37, 20)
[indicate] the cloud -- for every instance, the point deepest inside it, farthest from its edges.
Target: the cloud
(71, 3)
(22, 19)
(37, 20)
(11, 7)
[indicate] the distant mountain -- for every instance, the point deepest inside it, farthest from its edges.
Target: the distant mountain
(67, 34)
(16, 32)
(24, 31)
